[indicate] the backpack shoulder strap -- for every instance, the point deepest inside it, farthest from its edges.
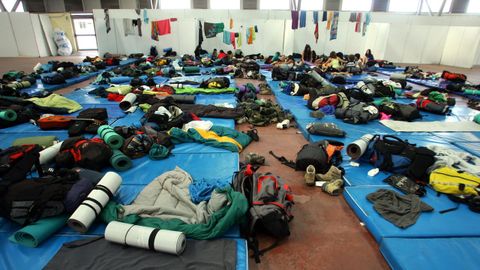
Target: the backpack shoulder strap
(284, 160)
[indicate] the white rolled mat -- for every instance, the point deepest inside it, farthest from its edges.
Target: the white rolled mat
(172, 242)
(357, 148)
(91, 207)
(127, 101)
(49, 153)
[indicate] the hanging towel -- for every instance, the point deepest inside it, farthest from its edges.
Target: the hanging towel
(107, 20)
(145, 17)
(357, 24)
(303, 19)
(128, 27)
(294, 19)
(250, 35)
(226, 37)
(368, 18)
(256, 29)
(160, 28)
(353, 17)
(232, 40)
(334, 28)
(239, 39)
(212, 29)
(315, 33)
(315, 17)
(138, 23)
(200, 33)
(329, 19)
(231, 23)
(324, 16)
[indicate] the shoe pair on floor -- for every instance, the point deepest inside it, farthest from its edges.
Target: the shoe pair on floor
(333, 179)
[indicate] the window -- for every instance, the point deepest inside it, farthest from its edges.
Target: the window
(473, 6)
(175, 4)
(13, 5)
(224, 4)
(435, 6)
(275, 4)
(403, 5)
(312, 4)
(357, 5)
(84, 31)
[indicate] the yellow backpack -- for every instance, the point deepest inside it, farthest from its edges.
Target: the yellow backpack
(451, 181)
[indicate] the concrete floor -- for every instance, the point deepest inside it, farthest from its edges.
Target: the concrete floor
(325, 233)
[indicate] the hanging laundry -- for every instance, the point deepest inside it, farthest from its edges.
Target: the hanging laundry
(357, 24)
(353, 17)
(329, 19)
(303, 19)
(368, 19)
(137, 10)
(239, 40)
(231, 23)
(334, 28)
(160, 28)
(226, 38)
(256, 29)
(324, 16)
(107, 20)
(145, 17)
(212, 29)
(128, 27)
(173, 19)
(250, 35)
(294, 19)
(315, 17)
(232, 40)
(138, 23)
(200, 33)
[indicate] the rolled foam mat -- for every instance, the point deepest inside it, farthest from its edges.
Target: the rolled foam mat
(431, 253)
(119, 161)
(458, 223)
(34, 234)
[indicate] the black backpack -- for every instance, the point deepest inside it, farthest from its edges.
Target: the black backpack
(392, 154)
(91, 154)
(16, 162)
(32, 199)
(270, 202)
(322, 155)
(279, 74)
(399, 111)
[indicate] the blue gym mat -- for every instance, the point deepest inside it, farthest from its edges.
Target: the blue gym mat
(431, 253)
(216, 99)
(350, 78)
(470, 147)
(397, 69)
(19, 257)
(458, 223)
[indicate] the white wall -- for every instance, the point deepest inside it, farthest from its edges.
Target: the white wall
(400, 38)
(8, 46)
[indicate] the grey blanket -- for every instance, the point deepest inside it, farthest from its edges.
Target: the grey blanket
(401, 210)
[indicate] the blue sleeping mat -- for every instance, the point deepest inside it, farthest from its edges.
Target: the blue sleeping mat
(431, 253)
(471, 147)
(218, 166)
(216, 99)
(459, 223)
(396, 69)
(459, 136)
(19, 257)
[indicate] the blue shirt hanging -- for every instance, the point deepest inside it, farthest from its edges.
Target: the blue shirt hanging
(303, 18)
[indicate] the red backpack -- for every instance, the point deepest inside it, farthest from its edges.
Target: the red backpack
(454, 77)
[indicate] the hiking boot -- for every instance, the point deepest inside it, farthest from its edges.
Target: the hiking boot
(332, 174)
(254, 159)
(310, 175)
(317, 114)
(334, 187)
